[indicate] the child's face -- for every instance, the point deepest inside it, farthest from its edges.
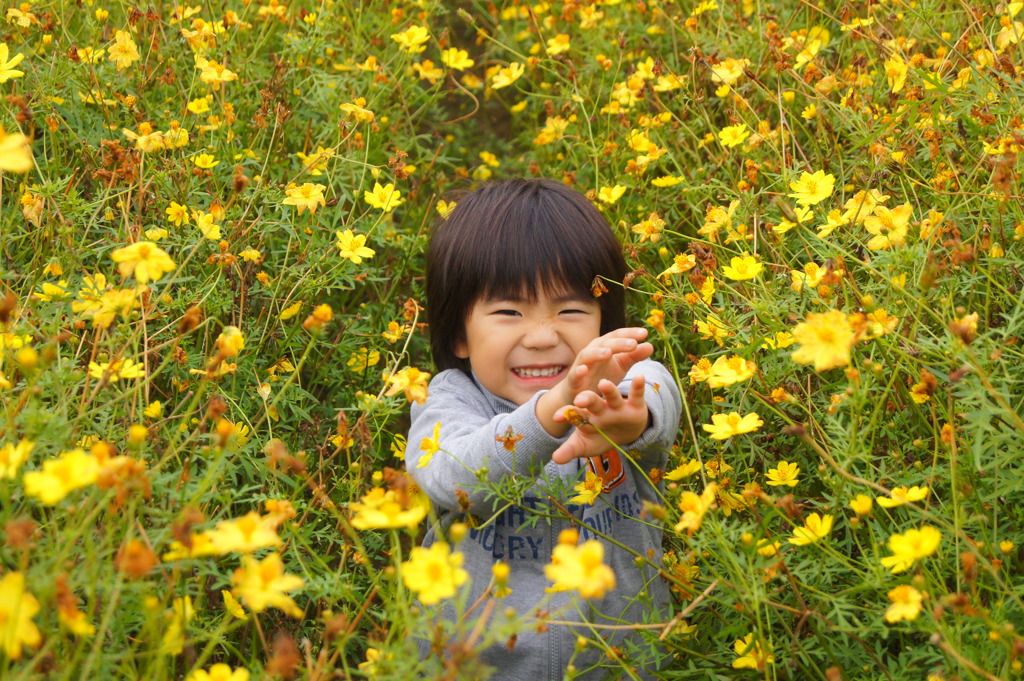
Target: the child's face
(516, 347)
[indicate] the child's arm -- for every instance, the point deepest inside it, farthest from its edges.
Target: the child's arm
(471, 439)
(640, 413)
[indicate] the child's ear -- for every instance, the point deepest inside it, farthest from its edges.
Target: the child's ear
(461, 350)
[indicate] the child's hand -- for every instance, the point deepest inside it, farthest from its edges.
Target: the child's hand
(621, 420)
(607, 357)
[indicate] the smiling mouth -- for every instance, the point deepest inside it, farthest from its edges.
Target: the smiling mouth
(539, 372)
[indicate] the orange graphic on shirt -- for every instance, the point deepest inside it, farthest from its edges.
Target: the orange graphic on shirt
(609, 468)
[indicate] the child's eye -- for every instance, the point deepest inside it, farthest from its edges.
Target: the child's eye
(574, 311)
(507, 313)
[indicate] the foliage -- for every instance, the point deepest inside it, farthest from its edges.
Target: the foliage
(212, 322)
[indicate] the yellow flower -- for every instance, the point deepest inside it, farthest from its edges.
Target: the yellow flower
(264, 584)
(911, 546)
(232, 605)
(728, 71)
(124, 51)
(177, 214)
(906, 604)
(589, 490)
(428, 71)
(154, 410)
(457, 59)
(17, 608)
(7, 64)
(901, 495)
(383, 509)
(61, 476)
(430, 446)
(373, 657)
(316, 164)
(445, 208)
(50, 292)
(814, 528)
(683, 262)
(728, 370)
(861, 504)
(230, 342)
(175, 619)
(718, 218)
(862, 204)
(394, 333)
(888, 226)
(733, 135)
(724, 426)
(694, 507)
(825, 340)
(206, 225)
(650, 228)
(410, 381)
(245, 534)
(205, 161)
(558, 44)
(386, 197)
(812, 189)
(147, 261)
(684, 470)
(250, 255)
(666, 181)
(199, 106)
(358, 111)
(743, 268)
(307, 197)
(579, 568)
(784, 473)
(834, 221)
(15, 152)
(73, 619)
(352, 246)
(213, 73)
(751, 653)
(895, 72)
(219, 672)
(412, 40)
(362, 359)
(610, 194)
(506, 76)
(811, 276)
(13, 456)
(433, 573)
(116, 370)
(782, 339)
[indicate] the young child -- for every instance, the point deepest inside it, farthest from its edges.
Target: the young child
(518, 337)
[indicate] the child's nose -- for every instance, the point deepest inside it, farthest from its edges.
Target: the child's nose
(540, 336)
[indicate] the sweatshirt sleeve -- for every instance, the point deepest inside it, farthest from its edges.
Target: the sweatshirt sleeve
(472, 439)
(664, 404)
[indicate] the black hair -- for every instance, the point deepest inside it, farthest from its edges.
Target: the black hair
(509, 237)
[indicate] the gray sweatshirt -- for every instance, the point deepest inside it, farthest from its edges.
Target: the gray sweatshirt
(475, 427)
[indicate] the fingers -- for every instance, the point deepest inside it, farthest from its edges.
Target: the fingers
(636, 390)
(573, 448)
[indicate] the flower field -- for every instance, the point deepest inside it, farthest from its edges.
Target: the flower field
(213, 220)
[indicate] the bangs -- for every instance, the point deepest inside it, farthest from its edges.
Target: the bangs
(533, 250)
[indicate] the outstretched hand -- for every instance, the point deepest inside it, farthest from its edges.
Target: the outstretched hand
(607, 357)
(601, 416)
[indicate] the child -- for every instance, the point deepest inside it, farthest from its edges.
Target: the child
(518, 337)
